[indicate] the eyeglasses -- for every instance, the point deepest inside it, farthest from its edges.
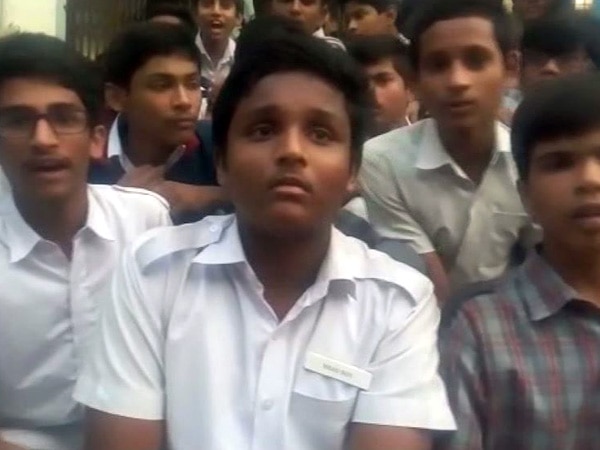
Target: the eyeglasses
(18, 122)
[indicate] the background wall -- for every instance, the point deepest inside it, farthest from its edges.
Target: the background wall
(45, 16)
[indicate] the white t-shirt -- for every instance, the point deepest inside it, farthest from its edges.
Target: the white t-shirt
(189, 338)
(49, 308)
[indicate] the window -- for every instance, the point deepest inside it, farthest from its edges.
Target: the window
(584, 4)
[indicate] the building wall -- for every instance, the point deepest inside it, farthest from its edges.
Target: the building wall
(44, 16)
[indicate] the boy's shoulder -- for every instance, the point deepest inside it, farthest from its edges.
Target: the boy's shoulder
(128, 199)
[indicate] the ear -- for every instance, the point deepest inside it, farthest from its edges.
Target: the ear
(391, 14)
(513, 64)
(352, 186)
(98, 142)
(222, 176)
(523, 189)
(115, 97)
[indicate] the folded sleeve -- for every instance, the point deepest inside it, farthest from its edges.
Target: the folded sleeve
(123, 375)
(386, 206)
(406, 389)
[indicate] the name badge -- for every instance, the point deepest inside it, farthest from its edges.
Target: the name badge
(337, 370)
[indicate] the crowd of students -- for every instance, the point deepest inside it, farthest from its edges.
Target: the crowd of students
(250, 234)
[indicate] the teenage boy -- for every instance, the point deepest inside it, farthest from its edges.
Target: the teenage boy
(385, 62)
(217, 20)
(59, 238)
(521, 362)
(152, 79)
(309, 14)
(322, 343)
(447, 185)
(372, 17)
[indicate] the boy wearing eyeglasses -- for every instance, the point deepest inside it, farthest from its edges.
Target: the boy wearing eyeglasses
(59, 237)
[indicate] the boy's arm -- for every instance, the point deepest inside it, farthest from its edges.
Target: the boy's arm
(406, 400)
(106, 431)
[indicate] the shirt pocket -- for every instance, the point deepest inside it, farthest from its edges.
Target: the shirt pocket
(321, 405)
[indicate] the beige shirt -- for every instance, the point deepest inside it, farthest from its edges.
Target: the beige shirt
(417, 193)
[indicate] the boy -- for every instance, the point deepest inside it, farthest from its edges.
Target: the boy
(385, 61)
(372, 17)
(217, 20)
(521, 362)
(59, 237)
(321, 342)
(447, 185)
(152, 79)
(309, 14)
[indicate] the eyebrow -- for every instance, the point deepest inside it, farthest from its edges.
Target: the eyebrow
(173, 75)
(319, 112)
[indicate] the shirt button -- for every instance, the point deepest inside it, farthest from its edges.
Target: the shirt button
(267, 404)
(214, 228)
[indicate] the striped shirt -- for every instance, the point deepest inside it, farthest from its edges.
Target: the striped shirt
(522, 366)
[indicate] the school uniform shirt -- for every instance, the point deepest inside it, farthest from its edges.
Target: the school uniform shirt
(523, 367)
(189, 338)
(49, 308)
(333, 41)
(215, 70)
(196, 166)
(416, 192)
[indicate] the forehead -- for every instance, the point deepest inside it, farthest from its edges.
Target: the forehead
(294, 93)
(223, 3)
(457, 34)
(584, 142)
(176, 65)
(383, 65)
(36, 93)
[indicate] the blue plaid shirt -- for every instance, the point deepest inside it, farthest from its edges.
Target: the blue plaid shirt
(522, 366)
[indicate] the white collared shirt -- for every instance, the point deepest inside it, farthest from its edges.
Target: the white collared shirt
(189, 338)
(417, 193)
(48, 310)
(333, 41)
(215, 70)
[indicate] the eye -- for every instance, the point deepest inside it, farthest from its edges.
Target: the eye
(556, 162)
(476, 60)
(436, 63)
(320, 135)
(261, 132)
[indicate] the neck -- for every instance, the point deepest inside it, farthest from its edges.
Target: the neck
(215, 49)
(57, 221)
(583, 276)
(142, 149)
(470, 148)
(285, 266)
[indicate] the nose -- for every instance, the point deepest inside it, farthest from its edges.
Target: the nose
(295, 7)
(182, 98)
(44, 135)
(290, 148)
(217, 8)
(459, 77)
(551, 68)
(589, 176)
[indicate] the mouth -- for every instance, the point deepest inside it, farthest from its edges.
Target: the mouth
(290, 186)
(49, 167)
(216, 26)
(184, 124)
(461, 107)
(588, 216)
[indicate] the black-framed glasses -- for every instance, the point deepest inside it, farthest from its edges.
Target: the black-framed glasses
(18, 122)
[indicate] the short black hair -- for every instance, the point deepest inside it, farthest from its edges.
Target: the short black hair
(38, 56)
(139, 43)
(556, 36)
(181, 12)
(370, 50)
(553, 110)
(434, 11)
(288, 50)
(379, 5)
(239, 5)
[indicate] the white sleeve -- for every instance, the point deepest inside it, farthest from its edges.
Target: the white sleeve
(387, 208)
(406, 389)
(124, 374)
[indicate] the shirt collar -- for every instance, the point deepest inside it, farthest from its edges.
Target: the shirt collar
(547, 291)
(21, 239)
(433, 155)
(339, 266)
(320, 33)
(114, 147)
(227, 56)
